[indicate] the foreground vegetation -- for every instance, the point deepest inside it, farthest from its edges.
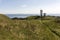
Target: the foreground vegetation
(29, 29)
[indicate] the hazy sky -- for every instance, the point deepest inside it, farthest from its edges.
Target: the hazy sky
(29, 6)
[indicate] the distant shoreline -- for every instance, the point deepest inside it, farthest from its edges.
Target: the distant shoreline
(26, 15)
(20, 15)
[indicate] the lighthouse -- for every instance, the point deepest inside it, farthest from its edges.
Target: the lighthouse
(41, 13)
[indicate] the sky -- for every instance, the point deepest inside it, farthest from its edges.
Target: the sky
(29, 6)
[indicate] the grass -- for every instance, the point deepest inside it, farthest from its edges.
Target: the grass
(28, 29)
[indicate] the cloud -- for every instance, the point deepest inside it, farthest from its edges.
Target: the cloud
(53, 8)
(19, 11)
(23, 5)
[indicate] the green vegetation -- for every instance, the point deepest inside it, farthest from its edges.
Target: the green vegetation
(33, 17)
(29, 29)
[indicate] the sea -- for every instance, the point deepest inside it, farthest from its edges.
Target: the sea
(20, 15)
(26, 15)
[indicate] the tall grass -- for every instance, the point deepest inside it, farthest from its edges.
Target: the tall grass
(29, 29)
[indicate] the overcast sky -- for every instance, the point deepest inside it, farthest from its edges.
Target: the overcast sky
(29, 6)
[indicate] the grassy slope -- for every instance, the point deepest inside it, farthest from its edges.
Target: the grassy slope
(28, 29)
